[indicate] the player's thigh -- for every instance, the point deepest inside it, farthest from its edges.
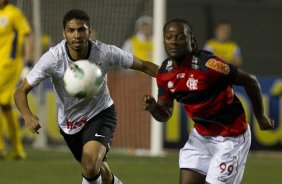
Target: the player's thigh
(195, 154)
(101, 128)
(188, 176)
(228, 163)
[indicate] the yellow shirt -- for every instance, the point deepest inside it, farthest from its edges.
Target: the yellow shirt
(226, 50)
(13, 27)
(142, 49)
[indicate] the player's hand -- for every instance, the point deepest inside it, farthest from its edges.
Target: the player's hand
(149, 103)
(266, 123)
(32, 123)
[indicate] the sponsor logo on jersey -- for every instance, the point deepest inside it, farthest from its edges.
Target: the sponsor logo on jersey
(75, 124)
(170, 84)
(218, 66)
(195, 60)
(99, 135)
(195, 63)
(180, 76)
(169, 66)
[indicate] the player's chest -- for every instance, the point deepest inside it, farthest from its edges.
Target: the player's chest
(188, 80)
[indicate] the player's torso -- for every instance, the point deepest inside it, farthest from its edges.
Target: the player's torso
(71, 109)
(191, 83)
(207, 97)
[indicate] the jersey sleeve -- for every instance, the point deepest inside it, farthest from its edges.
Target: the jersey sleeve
(120, 58)
(163, 91)
(219, 70)
(42, 69)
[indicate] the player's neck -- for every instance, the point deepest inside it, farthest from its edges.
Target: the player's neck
(77, 55)
(179, 62)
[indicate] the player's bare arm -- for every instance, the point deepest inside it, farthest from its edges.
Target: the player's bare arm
(253, 90)
(160, 110)
(28, 46)
(144, 66)
(20, 96)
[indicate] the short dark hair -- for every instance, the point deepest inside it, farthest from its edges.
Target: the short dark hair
(76, 14)
(182, 21)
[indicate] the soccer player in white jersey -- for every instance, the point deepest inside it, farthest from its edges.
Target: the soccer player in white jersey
(87, 125)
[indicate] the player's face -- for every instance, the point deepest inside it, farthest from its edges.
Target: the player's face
(77, 34)
(223, 32)
(177, 41)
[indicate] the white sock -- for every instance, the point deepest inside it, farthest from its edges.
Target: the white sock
(116, 180)
(97, 181)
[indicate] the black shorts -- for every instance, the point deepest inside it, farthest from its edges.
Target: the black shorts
(99, 128)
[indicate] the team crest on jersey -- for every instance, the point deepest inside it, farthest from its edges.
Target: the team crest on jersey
(3, 21)
(218, 66)
(192, 83)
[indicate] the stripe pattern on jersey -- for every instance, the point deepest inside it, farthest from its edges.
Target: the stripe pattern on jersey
(204, 85)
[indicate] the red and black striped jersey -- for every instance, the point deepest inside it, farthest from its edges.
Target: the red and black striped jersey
(203, 84)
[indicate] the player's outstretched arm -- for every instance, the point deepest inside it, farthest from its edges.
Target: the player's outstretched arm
(20, 97)
(253, 90)
(145, 66)
(160, 110)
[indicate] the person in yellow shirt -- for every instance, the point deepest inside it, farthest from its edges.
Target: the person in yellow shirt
(140, 44)
(223, 46)
(15, 40)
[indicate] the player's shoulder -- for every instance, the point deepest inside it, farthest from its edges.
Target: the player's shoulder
(166, 66)
(102, 47)
(12, 7)
(202, 56)
(14, 10)
(212, 62)
(59, 50)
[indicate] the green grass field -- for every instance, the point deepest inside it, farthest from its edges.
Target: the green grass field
(58, 167)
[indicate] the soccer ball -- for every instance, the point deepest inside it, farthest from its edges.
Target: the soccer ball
(83, 79)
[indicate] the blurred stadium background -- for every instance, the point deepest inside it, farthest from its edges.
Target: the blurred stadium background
(256, 27)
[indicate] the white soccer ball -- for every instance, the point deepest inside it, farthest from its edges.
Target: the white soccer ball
(83, 79)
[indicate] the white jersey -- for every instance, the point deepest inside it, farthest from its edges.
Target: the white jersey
(73, 112)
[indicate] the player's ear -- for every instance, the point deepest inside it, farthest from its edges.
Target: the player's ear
(93, 34)
(64, 34)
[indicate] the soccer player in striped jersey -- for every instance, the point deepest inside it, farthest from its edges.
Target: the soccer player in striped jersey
(87, 125)
(217, 148)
